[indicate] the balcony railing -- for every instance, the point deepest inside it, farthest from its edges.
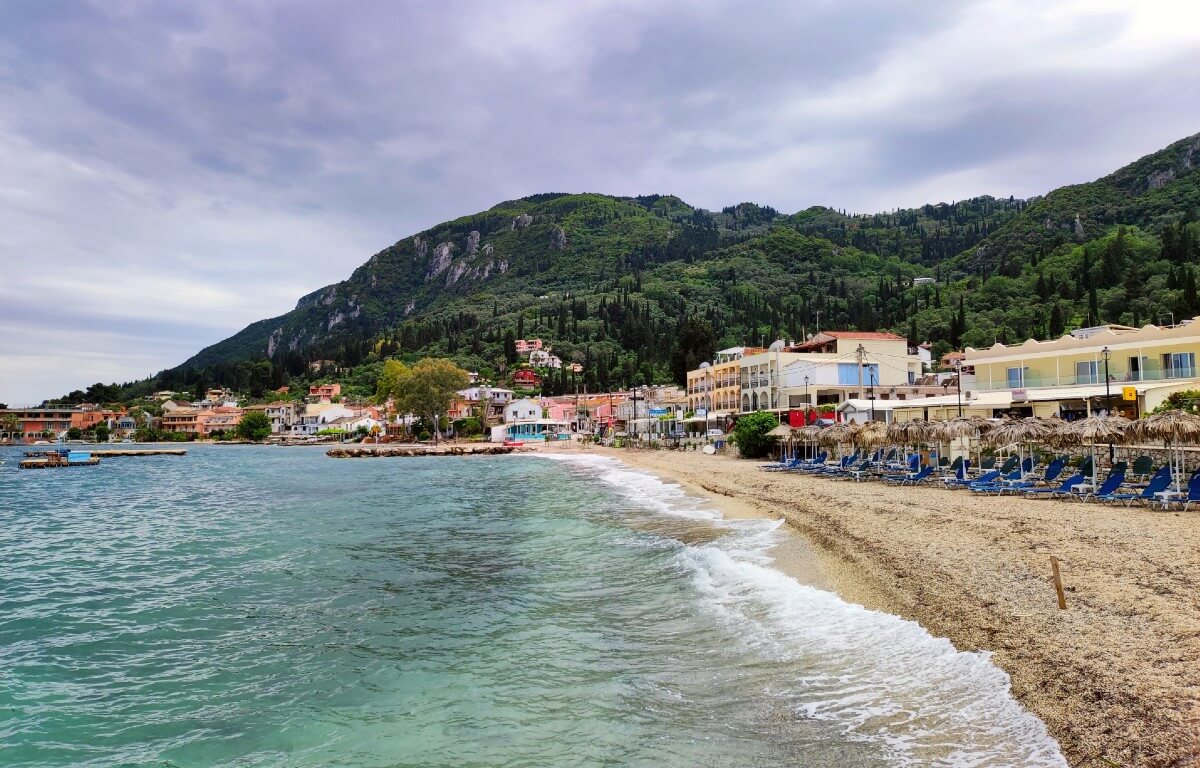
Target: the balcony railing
(1116, 378)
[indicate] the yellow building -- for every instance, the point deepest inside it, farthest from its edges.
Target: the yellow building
(716, 386)
(828, 368)
(1067, 376)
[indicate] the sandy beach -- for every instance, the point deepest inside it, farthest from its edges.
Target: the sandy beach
(1116, 676)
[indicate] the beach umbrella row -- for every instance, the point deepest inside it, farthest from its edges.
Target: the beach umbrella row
(1175, 428)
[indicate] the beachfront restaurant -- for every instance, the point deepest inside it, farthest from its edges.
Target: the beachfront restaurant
(532, 429)
(1117, 368)
(1069, 403)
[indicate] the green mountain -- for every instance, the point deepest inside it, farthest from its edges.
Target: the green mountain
(637, 289)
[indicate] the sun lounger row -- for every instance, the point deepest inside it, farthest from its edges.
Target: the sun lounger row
(1015, 477)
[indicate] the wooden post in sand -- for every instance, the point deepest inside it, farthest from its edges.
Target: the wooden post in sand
(1058, 587)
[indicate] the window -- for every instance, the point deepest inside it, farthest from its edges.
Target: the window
(1179, 365)
(848, 374)
(1086, 372)
(1016, 377)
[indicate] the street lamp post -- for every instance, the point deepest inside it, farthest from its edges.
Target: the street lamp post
(1107, 353)
(958, 385)
(871, 373)
(807, 402)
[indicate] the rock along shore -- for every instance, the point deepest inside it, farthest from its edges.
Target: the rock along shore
(379, 451)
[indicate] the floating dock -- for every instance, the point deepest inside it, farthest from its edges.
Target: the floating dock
(380, 451)
(60, 459)
(47, 464)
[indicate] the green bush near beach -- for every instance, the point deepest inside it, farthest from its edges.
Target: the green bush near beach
(255, 425)
(751, 434)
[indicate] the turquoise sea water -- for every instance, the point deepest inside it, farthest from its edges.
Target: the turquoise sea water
(246, 606)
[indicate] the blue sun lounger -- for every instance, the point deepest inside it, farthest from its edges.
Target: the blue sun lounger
(997, 483)
(1158, 483)
(1053, 470)
(1063, 490)
(985, 479)
(913, 479)
(1110, 486)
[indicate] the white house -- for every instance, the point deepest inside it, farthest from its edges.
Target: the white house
(541, 358)
(281, 413)
(484, 392)
(522, 410)
(925, 352)
(315, 417)
(354, 423)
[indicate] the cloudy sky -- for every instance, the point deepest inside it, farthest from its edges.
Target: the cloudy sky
(170, 172)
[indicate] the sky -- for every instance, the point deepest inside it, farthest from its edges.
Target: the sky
(172, 171)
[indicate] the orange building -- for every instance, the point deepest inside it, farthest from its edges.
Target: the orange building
(324, 392)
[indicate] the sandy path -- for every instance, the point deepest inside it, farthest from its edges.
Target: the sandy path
(1116, 677)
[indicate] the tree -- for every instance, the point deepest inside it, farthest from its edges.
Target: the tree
(469, 427)
(10, 424)
(388, 383)
(510, 348)
(74, 433)
(101, 432)
(255, 425)
(426, 389)
(751, 433)
(695, 342)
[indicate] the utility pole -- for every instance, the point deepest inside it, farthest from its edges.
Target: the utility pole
(871, 373)
(818, 321)
(1108, 398)
(634, 397)
(860, 352)
(958, 385)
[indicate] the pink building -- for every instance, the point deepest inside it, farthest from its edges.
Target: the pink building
(559, 409)
(525, 346)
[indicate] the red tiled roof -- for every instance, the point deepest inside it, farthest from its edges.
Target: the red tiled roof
(865, 335)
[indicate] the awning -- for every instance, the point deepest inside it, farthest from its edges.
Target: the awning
(998, 399)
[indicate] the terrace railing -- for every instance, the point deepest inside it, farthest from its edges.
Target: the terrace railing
(1116, 377)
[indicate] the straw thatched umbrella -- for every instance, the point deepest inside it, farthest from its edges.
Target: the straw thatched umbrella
(965, 426)
(912, 432)
(1175, 428)
(839, 435)
(1093, 430)
(808, 435)
(782, 433)
(1018, 432)
(872, 434)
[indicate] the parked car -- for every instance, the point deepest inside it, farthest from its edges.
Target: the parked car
(715, 433)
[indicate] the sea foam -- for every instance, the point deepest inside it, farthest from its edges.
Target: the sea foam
(880, 678)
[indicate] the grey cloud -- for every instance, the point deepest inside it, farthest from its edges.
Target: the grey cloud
(253, 149)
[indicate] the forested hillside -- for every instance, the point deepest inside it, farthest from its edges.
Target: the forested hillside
(638, 289)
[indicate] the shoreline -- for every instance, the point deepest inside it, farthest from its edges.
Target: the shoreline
(1115, 677)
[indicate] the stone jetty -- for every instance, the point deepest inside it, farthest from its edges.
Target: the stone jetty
(378, 451)
(105, 453)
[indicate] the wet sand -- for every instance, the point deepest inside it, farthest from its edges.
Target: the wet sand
(1116, 676)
